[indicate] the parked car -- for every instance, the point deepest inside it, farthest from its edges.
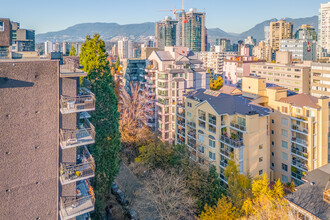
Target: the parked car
(114, 188)
(121, 198)
(132, 214)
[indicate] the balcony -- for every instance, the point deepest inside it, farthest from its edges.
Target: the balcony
(302, 118)
(84, 135)
(182, 105)
(226, 152)
(299, 129)
(85, 101)
(192, 134)
(298, 152)
(181, 123)
(182, 114)
(192, 124)
(299, 141)
(238, 127)
(82, 203)
(71, 172)
(231, 142)
(299, 165)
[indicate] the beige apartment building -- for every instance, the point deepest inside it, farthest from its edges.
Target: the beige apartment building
(280, 30)
(45, 164)
(263, 51)
(320, 79)
(299, 129)
(217, 124)
(284, 73)
(175, 70)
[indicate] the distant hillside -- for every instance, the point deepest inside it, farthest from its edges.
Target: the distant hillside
(138, 32)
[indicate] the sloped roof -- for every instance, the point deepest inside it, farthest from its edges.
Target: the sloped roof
(164, 55)
(309, 196)
(228, 104)
(301, 100)
(230, 90)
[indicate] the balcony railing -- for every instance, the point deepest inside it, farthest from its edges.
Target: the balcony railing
(82, 203)
(231, 142)
(299, 141)
(299, 129)
(181, 105)
(182, 115)
(71, 172)
(299, 165)
(84, 135)
(301, 118)
(225, 152)
(192, 134)
(181, 123)
(83, 102)
(192, 124)
(298, 152)
(238, 126)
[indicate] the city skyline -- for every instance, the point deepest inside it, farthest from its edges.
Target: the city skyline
(70, 13)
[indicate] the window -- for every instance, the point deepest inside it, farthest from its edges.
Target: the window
(201, 149)
(284, 179)
(201, 124)
(260, 172)
(200, 160)
(284, 121)
(260, 159)
(2, 27)
(212, 119)
(272, 121)
(201, 138)
(273, 143)
(201, 115)
(273, 154)
(284, 133)
(284, 167)
(273, 164)
(284, 109)
(285, 144)
(189, 114)
(260, 147)
(284, 156)
(212, 156)
(211, 143)
(272, 131)
(212, 128)
(189, 104)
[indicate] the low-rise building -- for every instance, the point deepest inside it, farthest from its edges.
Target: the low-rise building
(295, 77)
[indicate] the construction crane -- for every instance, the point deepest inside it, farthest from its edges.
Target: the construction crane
(175, 10)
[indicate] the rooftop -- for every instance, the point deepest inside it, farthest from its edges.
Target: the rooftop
(223, 103)
(302, 100)
(309, 196)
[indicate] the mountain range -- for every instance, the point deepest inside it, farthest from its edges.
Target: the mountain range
(138, 32)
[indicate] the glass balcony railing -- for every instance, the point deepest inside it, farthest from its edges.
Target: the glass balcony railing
(181, 123)
(79, 204)
(299, 141)
(84, 169)
(192, 124)
(297, 128)
(237, 126)
(299, 152)
(83, 135)
(85, 101)
(299, 165)
(231, 142)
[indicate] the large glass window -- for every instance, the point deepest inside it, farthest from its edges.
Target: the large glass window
(212, 119)
(211, 143)
(285, 144)
(201, 138)
(212, 156)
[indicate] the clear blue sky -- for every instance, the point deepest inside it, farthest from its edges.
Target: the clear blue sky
(230, 15)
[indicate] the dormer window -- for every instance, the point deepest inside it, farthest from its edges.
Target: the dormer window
(2, 27)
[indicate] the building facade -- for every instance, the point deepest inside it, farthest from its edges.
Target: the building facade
(44, 141)
(301, 49)
(324, 30)
(299, 129)
(306, 32)
(263, 51)
(166, 33)
(125, 48)
(280, 30)
(174, 70)
(320, 79)
(217, 125)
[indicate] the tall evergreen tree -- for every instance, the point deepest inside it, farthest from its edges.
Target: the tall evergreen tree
(72, 51)
(105, 118)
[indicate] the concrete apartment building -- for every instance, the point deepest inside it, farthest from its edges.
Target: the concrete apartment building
(134, 72)
(44, 137)
(280, 30)
(299, 128)
(15, 42)
(216, 124)
(173, 71)
(235, 68)
(311, 200)
(215, 60)
(320, 79)
(125, 48)
(295, 77)
(324, 30)
(263, 51)
(166, 33)
(306, 32)
(223, 45)
(301, 49)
